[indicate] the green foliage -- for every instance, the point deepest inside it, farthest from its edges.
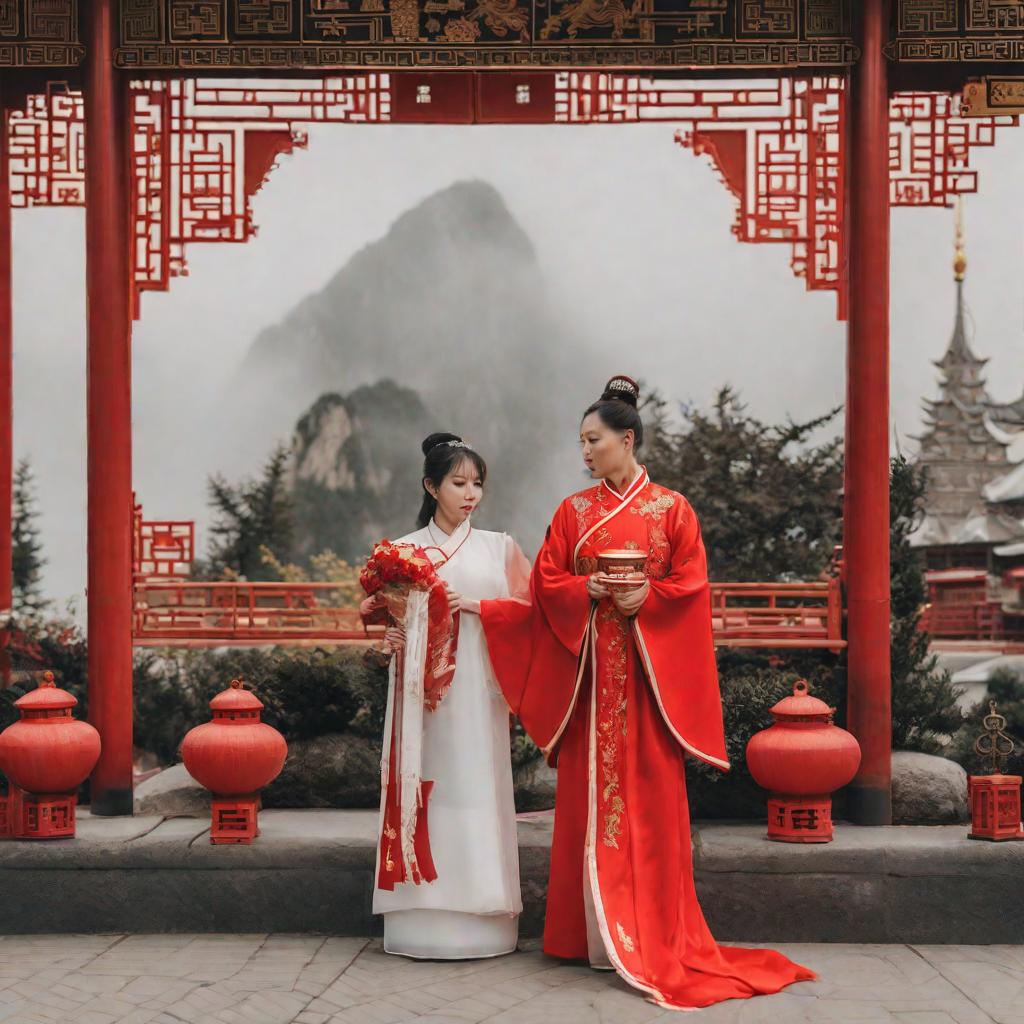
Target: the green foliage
(26, 548)
(56, 644)
(1006, 688)
(251, 516)
(924, 708)
(524, 750)
(751, 683)
(306, 692)
(768, 496)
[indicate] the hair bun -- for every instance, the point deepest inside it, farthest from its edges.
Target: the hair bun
(624, 388)
(435, 439)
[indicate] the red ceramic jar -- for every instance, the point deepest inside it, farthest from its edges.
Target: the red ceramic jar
(47, 751)
(800, 759)
(235, 754)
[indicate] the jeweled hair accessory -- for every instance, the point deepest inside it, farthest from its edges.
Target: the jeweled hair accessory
(450, 444)
(623, 384)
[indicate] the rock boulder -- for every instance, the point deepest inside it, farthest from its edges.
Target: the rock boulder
(927, 790)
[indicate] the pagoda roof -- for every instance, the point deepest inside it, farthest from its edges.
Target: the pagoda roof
(1009, 412)
(980, 527)
(1009, 487)
(997, 432)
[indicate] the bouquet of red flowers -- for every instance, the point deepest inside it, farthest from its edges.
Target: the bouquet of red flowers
(397, 567)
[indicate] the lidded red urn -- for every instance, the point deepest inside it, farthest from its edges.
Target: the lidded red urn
(234, 757)
(46, 756)
(801, 759)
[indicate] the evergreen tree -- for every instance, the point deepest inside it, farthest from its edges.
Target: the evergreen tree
(924, 704)
(26, 548)
(253, 517)
(767, 496)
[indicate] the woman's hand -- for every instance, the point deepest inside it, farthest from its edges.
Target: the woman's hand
(370, 605)
(630, 601)
(596, 588)
(467, 604)
(454, 598)
(394, 639)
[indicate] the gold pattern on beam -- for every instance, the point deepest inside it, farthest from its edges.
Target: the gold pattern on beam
(996, 94)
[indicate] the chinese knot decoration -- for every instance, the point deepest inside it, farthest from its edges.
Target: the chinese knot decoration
(234, 757)
(994, 798)
(46, 756)
(801, 759)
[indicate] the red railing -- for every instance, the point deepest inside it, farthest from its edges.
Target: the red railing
(975, 620)
(805, 615)
(969, 603)
(173, 610)
(195, 614)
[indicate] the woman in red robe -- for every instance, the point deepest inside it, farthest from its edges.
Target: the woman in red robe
(616, 688)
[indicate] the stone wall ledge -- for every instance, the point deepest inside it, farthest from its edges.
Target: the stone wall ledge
(312, 871)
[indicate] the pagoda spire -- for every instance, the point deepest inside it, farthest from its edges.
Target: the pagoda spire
(960, 366)
(960, 446)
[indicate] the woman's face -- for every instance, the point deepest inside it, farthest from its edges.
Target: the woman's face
(460, 491)
(606, 451)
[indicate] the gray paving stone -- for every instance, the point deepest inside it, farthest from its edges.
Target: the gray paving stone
(140, 1016)
(304, 979)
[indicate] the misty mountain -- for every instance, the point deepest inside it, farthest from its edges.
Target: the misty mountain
(452, 304)
(353, 473)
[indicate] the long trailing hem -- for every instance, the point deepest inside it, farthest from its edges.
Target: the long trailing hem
(618, 703)
(641, 884)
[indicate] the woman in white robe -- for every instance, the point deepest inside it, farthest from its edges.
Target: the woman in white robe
(471, 909)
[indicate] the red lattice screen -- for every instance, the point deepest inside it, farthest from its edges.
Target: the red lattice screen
(202, 148)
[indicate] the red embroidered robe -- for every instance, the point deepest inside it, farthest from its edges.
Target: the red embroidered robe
(617, 702)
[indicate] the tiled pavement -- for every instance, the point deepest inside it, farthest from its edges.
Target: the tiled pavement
(276, 979)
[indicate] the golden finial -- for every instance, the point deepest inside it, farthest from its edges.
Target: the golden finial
(959, 260)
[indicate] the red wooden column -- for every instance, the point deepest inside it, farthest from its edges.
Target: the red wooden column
(108, 415)
(6, 385)
(866, 512)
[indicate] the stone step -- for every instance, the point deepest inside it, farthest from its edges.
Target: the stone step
(312, 871)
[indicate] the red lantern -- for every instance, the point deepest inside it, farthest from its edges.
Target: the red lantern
(234, 756)
(801, 759)
(46, 756)
(995, 798)
(995, 807)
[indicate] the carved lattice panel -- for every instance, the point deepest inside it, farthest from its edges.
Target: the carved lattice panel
(39, 33)
(781, 155)
(260, 34)
(47, 151)
(930, 148)
(202, 148)
(957, 31)
(200, 151)
(777, 147)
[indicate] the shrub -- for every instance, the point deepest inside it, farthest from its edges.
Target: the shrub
(306, 692)
(1006, 688)
(751, 684)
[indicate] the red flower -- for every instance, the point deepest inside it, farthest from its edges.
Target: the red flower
(397, 565)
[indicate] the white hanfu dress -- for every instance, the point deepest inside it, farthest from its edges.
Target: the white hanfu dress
(472, 908)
